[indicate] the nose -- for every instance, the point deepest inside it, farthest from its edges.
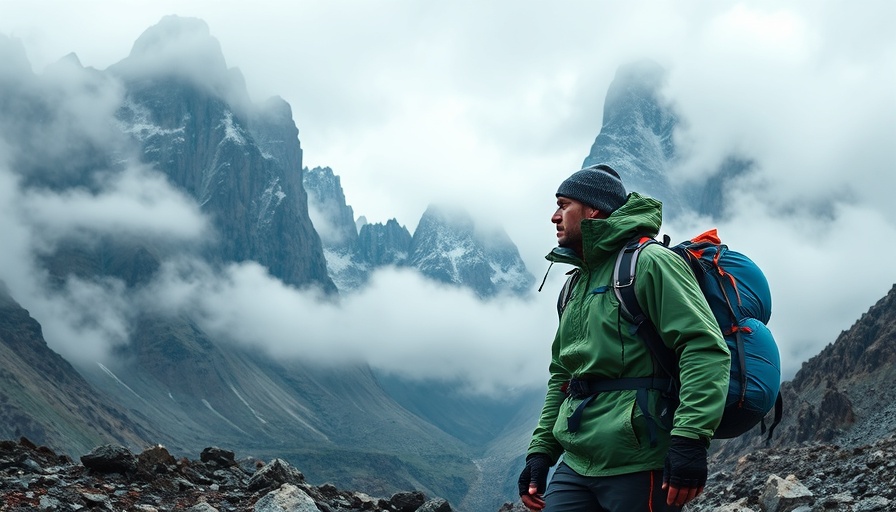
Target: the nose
(556, 218)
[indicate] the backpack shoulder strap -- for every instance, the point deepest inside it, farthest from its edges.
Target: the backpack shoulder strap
(566, 291)
(641, 325)
(624, 279)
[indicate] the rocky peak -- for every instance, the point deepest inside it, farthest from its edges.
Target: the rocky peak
(251, 187)
(176, 46)
(450, 248)
(844, 395)
(636, 135)
(637, 139)
(447, 245)
(384, 244)
(332, 217)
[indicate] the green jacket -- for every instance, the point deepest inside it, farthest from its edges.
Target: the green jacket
(594, 341)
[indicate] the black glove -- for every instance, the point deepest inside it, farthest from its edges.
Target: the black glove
(685, 465)
(536, 471)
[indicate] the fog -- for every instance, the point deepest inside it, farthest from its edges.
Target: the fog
(486, 106)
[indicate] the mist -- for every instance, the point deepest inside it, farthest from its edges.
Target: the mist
(408, 113)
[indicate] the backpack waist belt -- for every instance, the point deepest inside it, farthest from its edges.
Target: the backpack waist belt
(587, 389)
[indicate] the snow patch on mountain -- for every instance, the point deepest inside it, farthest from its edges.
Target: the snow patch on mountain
(135, 119)
(243, 400)
(221, 416)
(108, 372)
(232, 132)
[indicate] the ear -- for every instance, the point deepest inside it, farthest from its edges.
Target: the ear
(593, 213)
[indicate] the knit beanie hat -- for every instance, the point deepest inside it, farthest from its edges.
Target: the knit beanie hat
(598, 186)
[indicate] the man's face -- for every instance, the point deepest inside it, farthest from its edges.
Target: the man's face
(568, 218)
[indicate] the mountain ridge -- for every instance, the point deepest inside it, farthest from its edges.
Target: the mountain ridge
(447, 245)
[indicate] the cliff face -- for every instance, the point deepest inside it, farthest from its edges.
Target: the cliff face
(243, 166)
(637, 139)
(845, 393)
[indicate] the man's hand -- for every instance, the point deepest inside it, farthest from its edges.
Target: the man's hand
(533, 480)
(684, 474)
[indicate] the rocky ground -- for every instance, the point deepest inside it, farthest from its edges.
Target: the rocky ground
(112, 478)
(809, 478)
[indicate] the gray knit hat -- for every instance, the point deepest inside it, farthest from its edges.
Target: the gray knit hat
(598, 186)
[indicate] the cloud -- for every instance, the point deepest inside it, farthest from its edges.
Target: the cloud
(411, 110)
(491, 345)
(136, 201)
(66, 177)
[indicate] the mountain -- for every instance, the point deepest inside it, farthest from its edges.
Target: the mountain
(46, 400)
(172, 111)
(450, 248)
(447, 246)
(173, 115)
(335, 221)
(242, 164)
(637, 138)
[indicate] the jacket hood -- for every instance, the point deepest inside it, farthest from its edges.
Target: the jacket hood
(640, 215)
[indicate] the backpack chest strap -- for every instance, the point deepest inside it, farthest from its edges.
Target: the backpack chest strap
(587, 389)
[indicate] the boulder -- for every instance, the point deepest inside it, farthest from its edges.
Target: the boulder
(274, 474)
(784, 494)
(110, 458)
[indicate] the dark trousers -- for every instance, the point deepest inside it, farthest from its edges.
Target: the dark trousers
(569, 491)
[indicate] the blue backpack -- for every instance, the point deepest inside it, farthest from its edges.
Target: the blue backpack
(738, 295)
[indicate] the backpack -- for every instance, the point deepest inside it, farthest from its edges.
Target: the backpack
(738, 295)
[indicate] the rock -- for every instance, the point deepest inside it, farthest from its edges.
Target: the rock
(202, 507)
(218, 456)
(784, 494)
(872, 504)
(738, 506)
(275, 473)
(110, 458)
(288, 498)
(516, 506)
(155, 460)
(407, 501)
(163, 483)
(435, 505)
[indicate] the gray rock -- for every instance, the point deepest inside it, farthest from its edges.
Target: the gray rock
(202, 507)
(288, 498)
(872, 504)
(784, 494)
(218, 456)
(275, 473)
(738, 506)
(407, 501)
(156, 459)
(435, 505)
(110, 458)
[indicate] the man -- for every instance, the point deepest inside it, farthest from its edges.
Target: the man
(621, 450)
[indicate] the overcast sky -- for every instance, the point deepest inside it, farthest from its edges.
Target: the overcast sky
(491, 105)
